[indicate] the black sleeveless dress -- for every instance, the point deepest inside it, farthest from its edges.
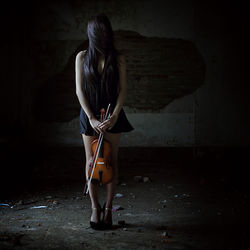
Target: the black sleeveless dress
(96, 103)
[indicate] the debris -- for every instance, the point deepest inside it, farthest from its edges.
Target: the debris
(165, 234)
(123, 184)
(38, 207)
(164, 201)
(124, 229)
(6, 205)
(118, 195)
(38, 224)
(48, 197)
(52, 202)
(76, 198)
(128, 214)
(138, 178)
(165, 237)
(116, 207)
(19, 202)
(181, 195)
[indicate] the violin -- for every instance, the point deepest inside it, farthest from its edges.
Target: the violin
(100, 171)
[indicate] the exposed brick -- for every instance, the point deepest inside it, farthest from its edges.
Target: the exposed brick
(158, 71)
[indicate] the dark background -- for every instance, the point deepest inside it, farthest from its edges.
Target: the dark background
(21, 102)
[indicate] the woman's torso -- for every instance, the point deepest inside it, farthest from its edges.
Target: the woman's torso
(97, 101)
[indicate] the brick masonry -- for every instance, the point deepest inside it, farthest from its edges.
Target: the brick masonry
(158, 71)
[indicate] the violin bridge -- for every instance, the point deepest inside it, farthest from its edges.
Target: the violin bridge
(100, 162)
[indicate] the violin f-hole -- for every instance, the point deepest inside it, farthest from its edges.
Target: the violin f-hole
(100, 176)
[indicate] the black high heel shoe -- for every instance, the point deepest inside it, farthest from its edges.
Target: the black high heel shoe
(107, 224)
(96, 225)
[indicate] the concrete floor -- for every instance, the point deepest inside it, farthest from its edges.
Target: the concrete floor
(195, 199)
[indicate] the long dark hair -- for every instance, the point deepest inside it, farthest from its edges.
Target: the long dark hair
(101, 41)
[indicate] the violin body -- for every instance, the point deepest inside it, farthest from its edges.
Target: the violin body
(103, 172)
(100, 169)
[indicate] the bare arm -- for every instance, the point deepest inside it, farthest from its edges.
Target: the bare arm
(81, 94)
(78, 78)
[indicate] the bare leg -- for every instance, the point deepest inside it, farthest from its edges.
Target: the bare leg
(114, 139)
(93, 189)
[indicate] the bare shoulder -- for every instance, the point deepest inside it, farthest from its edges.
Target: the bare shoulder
(80, 55)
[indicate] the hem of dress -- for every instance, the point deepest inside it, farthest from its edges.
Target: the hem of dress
(111, 132)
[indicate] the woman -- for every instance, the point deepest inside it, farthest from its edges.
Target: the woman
(100, 80)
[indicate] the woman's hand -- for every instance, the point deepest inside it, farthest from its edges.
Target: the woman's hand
(109, 123)
(95, 125)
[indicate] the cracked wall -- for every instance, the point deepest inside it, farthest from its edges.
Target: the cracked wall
(186, 70)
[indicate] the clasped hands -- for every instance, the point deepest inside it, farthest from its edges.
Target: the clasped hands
(101, 127)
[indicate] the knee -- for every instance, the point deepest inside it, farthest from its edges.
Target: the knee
(89, 162)
(114, 166)
(88, 168)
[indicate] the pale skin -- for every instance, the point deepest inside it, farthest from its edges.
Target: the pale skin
(101, 127)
